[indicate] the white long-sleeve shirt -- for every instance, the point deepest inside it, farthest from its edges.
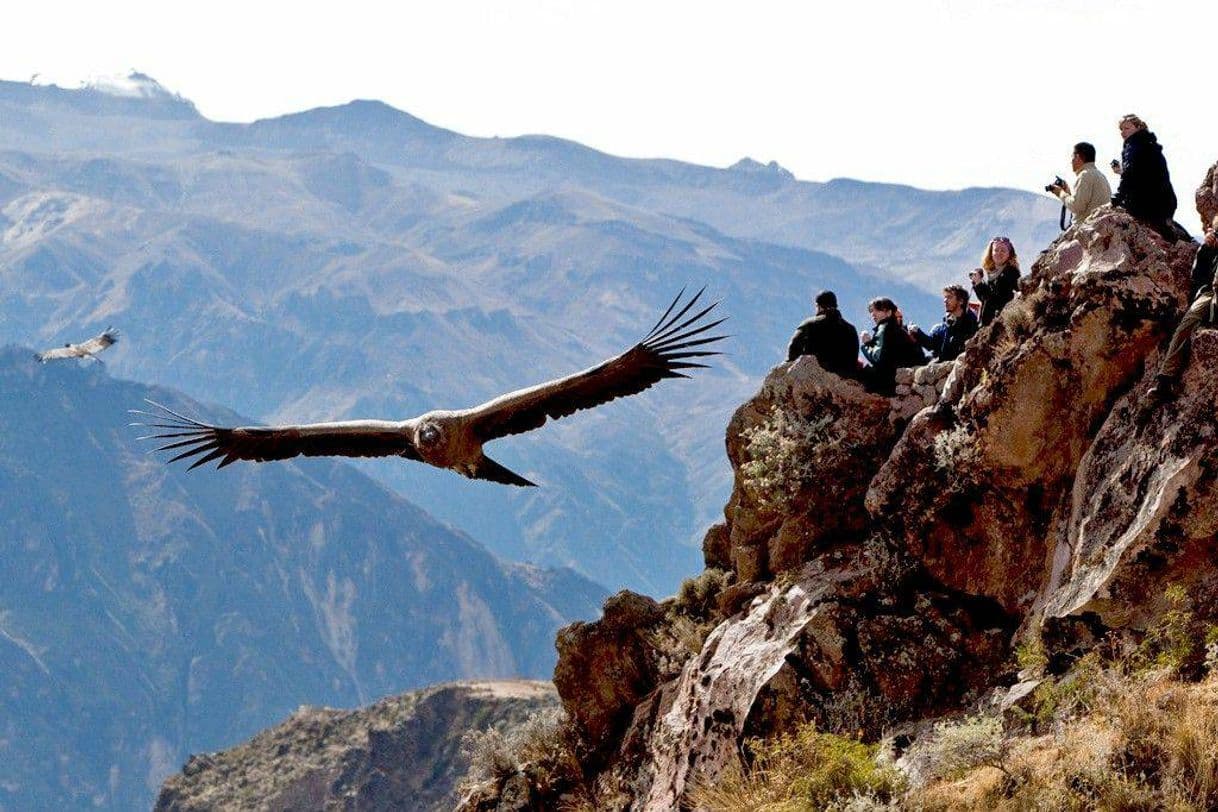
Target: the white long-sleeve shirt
(1091, 190)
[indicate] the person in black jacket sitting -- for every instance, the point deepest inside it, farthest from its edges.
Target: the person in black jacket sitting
(827, 336)
(996, 281)
(888, 348)
(1145, 189)
(946, 339)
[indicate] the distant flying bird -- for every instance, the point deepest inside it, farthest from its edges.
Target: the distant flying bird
(85, 349)
(453, 439)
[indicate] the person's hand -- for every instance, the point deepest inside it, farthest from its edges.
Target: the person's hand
(1063, 188)
(865, 336)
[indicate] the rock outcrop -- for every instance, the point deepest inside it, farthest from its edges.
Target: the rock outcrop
(400, 753)
(1207, 196)
(886, 554)
(974, 497)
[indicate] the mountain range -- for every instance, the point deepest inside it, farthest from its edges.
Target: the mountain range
(148, 613)
(355, 261)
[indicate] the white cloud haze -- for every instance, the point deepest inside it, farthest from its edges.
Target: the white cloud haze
(934, 93)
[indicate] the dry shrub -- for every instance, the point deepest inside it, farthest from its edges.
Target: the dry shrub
(1144, 741)
(696, 597)
(955, 450)
(781, 457)
(542, 747)
(804, 770)
(974, 741)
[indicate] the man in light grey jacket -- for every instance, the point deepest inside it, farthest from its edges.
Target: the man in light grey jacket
(1091, 188)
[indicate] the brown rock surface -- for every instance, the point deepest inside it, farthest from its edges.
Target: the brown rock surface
(826, 427)
(1207, 196)
(974, 497)
(605, 668)
(1143, 513)
(322, 758)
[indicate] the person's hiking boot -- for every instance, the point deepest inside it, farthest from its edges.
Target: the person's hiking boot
(1164, 389)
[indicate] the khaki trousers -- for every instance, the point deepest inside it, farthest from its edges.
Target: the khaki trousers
(1177, 351)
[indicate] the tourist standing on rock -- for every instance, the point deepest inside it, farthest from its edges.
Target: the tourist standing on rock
(996, 281)
(1091, 189)
(828, 337)
(888, 348)
(1202, 311)
(1145, 189)
(946, 339)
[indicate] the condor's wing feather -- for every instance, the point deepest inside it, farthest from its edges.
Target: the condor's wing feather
(202, 443)
(668, 349)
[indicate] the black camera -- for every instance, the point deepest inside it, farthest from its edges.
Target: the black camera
(1057, 183)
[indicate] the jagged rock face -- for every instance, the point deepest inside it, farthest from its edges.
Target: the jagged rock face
(606, 668)
(800, 450)
(974, 497)
(400, 753)
(1143, 513)
(1207, 196)
(1050, 489)
(854, 643)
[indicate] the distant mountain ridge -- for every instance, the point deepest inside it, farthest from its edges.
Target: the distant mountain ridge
(149, 613)
(354, 261)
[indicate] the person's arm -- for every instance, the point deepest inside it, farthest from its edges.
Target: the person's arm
(873, 350)
(797, 345)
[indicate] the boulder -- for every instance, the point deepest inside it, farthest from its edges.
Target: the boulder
(973, 494)
(1207, 196)
(800, 450)
(606, 667)
(1143, 513)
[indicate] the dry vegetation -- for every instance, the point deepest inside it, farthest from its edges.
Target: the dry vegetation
(782, 455)
(1135, 729)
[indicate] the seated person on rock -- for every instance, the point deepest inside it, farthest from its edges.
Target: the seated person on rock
(828, 337)
(1202, 312)
(946, 339)
(1091, 189)
(888, 349)
(1145, 190)
(996, 281)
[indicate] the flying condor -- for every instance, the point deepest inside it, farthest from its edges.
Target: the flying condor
(454, 439)
(85, 349)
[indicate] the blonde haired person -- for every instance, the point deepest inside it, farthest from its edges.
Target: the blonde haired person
(1145, 190)
(996, 281)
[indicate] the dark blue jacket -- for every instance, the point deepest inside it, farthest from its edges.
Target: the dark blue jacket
(946, 339)
(1145, 190)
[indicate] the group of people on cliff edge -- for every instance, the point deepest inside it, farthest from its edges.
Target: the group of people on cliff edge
(891, 345)
(1145, 191)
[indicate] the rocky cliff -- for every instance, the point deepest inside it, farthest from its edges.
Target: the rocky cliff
(322, 758)
(876, 569)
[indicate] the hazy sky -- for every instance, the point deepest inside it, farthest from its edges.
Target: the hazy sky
(935, 93)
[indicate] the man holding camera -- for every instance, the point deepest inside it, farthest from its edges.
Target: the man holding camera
(1091, 188)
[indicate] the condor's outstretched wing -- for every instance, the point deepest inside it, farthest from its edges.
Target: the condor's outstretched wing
(676, 338)
(85, 348)
(354, 438)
